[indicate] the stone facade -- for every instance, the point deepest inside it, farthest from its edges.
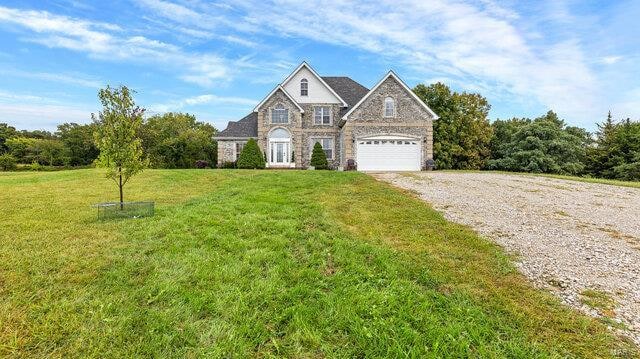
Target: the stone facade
(294, 126)
(411, 119)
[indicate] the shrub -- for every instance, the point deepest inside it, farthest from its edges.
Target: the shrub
(35, 166)
(202, 164)
(8, 162)
(251, 156)
(228, 165)
(319, 158)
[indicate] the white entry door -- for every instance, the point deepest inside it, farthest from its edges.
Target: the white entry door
(388, 155)
(280, 154)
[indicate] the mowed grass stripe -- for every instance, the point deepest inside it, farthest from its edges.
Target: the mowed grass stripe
(261, 263)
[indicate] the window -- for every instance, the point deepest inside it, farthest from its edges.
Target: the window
(239, 148)
(389, 107)
(327, 146)
(304, 87)
(322, 115)
(279, 114)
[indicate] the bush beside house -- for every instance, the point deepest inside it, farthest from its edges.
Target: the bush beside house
(251, 156)
(319, 158)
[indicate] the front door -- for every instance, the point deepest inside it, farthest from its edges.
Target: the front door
(280, 153)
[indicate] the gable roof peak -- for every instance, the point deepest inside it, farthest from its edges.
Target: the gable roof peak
(391, 73)
(314, 73)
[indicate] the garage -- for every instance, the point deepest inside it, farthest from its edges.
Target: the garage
(388, 154)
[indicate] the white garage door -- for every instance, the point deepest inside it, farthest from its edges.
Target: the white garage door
(388, 155)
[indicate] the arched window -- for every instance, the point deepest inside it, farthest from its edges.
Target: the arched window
(304, 87)
(279, 114)
(279, 133)
(389, 107)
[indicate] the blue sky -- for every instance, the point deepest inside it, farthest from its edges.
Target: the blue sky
(217, 59)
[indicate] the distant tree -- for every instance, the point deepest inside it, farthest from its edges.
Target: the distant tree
(178, 140)
(80, 147)
(462, 133)
(544, 145)
(39, 134)
(22, 148)
(116, 135)
(51, 152)
(251, 156)
(319, 157)
(7, 162)
(6, 132)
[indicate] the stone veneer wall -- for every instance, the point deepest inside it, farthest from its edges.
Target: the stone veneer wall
(294, 126)
(225, 151)
(311, 131)
(411, 119)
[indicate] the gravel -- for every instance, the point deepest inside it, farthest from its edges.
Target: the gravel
(567, 236)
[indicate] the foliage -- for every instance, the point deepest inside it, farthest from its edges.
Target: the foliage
(542, 145)
(228, 165)
(116, 135)
(202, 164)
(338, 264)
(616, 153)
(50, 152)
(6, 132)
(177, 140)
(462, 133)
(319, 158)
(80, 147)
(251, 156)
(7, 162)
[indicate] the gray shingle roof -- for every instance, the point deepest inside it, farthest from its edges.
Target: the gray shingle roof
(246, 127)
(350, 91)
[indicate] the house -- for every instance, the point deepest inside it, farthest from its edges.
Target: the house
(387, 128)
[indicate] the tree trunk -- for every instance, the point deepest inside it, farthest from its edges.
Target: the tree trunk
(120, 185)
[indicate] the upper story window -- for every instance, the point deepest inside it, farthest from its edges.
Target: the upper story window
(322, 115)
(279, 114)
(304, 87)
(389, 107)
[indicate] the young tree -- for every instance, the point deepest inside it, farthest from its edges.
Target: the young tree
(116, 136)
(251, 156)
(319, 158)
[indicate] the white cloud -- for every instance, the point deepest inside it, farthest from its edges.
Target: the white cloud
(202, 100)
(478, 42)
(31, 117)
(610, 60)
(67, 78)
(105, 41)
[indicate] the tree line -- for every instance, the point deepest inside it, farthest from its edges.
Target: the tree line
(170, 140)
(464, 138)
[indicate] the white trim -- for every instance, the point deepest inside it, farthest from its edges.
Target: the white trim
(389, 136)
(255, 109)
(391, 74)
(284, 108)
(304, 64)
(330, 115)
(384, 107)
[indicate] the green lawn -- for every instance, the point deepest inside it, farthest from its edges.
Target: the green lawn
(266, 264)
(612, 182)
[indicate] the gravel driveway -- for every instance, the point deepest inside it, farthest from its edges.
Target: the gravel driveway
(579, 240)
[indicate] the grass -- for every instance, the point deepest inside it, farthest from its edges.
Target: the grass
(631, 184)
(263, 264)
(597, 299)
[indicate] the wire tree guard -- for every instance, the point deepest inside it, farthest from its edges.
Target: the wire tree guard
(111, 210)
